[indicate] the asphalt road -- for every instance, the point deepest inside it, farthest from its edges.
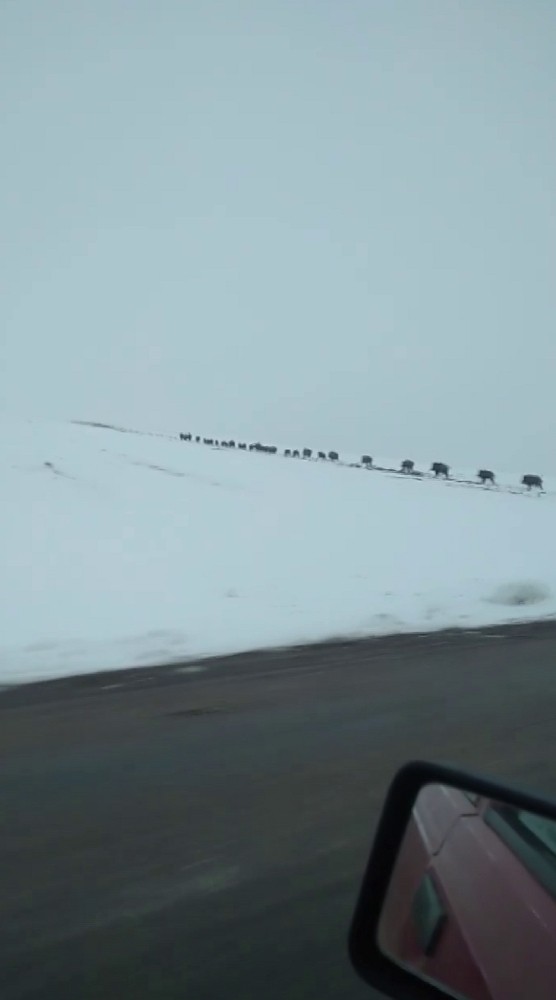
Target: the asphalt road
(200, 831)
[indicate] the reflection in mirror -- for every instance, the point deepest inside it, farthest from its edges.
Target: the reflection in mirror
(472, 900)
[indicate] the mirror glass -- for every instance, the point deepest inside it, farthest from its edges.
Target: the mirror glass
(471, 904)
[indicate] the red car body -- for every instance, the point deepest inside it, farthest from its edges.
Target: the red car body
(472, 902)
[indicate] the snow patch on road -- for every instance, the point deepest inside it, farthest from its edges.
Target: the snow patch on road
(520, 593)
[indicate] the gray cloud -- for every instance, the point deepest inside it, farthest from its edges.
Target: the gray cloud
(317, 222)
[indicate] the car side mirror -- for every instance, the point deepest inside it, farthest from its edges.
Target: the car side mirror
(459, 895)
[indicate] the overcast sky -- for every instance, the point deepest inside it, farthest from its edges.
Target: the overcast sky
(313, 222)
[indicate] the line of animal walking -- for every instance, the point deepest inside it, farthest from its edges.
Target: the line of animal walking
(438, 469)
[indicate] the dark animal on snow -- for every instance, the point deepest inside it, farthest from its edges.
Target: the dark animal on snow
(441, 469)
(321, 454)
(408, 465)
(530, 481)
(333, 456)
(197, 439)
(268, 449)
(295, 454)
(307, 452)
(366, 460)
(287, 453)
(486, 476)
(243, 446)
(231, 444)
(186, 437)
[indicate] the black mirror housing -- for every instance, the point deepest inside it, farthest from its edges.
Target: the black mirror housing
(370, 962)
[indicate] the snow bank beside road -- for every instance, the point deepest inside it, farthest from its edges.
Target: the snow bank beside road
(121, 550)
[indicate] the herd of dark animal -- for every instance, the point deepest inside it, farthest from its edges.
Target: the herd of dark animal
(439, 469)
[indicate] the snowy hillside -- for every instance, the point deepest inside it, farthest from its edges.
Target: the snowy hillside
(122, 549)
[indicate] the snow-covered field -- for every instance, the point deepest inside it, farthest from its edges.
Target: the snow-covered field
(122, 550)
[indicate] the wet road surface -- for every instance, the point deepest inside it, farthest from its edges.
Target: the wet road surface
(200, 830)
